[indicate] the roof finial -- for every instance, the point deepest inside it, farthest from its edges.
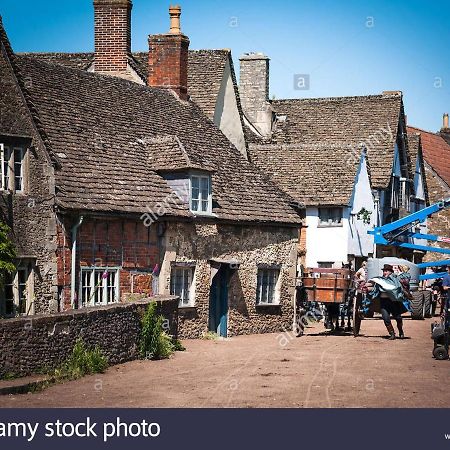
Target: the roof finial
(175, 13)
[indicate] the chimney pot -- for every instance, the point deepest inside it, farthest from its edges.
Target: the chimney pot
(445, 121)
(175, 14)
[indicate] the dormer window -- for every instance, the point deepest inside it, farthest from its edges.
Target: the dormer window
(201, 194)
(12, 164)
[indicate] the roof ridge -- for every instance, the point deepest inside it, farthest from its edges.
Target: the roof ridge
(350, 97)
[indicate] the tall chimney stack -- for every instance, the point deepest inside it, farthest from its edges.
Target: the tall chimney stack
(254, 91)
(112, 35)
(168, 57)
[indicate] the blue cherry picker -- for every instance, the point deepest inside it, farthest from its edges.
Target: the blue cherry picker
(401, 233)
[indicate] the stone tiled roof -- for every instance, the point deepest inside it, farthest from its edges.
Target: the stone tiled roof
(205, 72)
(436, 152)
(103, 130)
(314, 175)
(344, 121)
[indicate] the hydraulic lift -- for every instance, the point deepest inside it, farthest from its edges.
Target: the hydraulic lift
(401, 233)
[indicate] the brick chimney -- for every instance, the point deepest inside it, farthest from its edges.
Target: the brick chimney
(254, 91)
(168, 57)
(445, 130)
(112, 35)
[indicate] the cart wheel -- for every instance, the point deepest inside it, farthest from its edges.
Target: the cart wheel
(440, 353)
(356, 315)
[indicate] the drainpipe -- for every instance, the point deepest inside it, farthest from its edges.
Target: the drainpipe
(74, 260)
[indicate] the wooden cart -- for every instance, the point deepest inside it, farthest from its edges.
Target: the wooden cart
(327, 285)
(329, 288)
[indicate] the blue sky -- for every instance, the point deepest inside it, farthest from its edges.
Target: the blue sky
(349, 47)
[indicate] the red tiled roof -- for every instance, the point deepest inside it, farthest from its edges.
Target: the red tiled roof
(436, 152)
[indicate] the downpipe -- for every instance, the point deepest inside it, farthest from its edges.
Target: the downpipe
(74, 260)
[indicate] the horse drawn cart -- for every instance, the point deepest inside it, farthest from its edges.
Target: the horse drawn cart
(325, 292)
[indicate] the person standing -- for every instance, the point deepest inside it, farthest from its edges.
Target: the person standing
(390, 292)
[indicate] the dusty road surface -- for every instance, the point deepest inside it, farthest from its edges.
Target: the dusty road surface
(272, 370)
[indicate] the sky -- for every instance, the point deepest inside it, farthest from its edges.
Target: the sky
(350, 47)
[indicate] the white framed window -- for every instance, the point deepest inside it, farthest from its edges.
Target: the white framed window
(266, 288)
(17, 294)
(182, 285)
(330, 217)
(200, 194)
(12, 163)
(99, 286)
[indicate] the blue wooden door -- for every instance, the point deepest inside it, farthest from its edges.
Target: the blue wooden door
(218, 303)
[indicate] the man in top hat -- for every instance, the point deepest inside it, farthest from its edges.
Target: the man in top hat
(390, 292)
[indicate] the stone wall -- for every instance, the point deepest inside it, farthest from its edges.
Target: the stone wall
(438, 223)
(248, 246)
(38, 343)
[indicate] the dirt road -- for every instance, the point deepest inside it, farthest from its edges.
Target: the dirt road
(274, 370)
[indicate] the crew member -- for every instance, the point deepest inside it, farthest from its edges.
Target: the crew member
(389, 290)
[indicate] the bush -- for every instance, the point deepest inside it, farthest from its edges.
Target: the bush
(155, 343)
(81, 362)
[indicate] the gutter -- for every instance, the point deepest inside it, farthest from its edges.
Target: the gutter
(74, 260)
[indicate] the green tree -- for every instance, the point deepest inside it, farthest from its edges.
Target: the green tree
(7, 253)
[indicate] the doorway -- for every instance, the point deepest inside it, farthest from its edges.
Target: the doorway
(218, 301)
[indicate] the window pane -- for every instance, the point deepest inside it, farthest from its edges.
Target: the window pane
(18, 158)
(85, 287)
(5, 173)
(204, 187)
(194, 205)
(195, 183)
(22, 285)
(204, 205)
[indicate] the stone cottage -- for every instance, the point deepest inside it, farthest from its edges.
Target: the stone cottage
(326, 126)
(126, 191)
